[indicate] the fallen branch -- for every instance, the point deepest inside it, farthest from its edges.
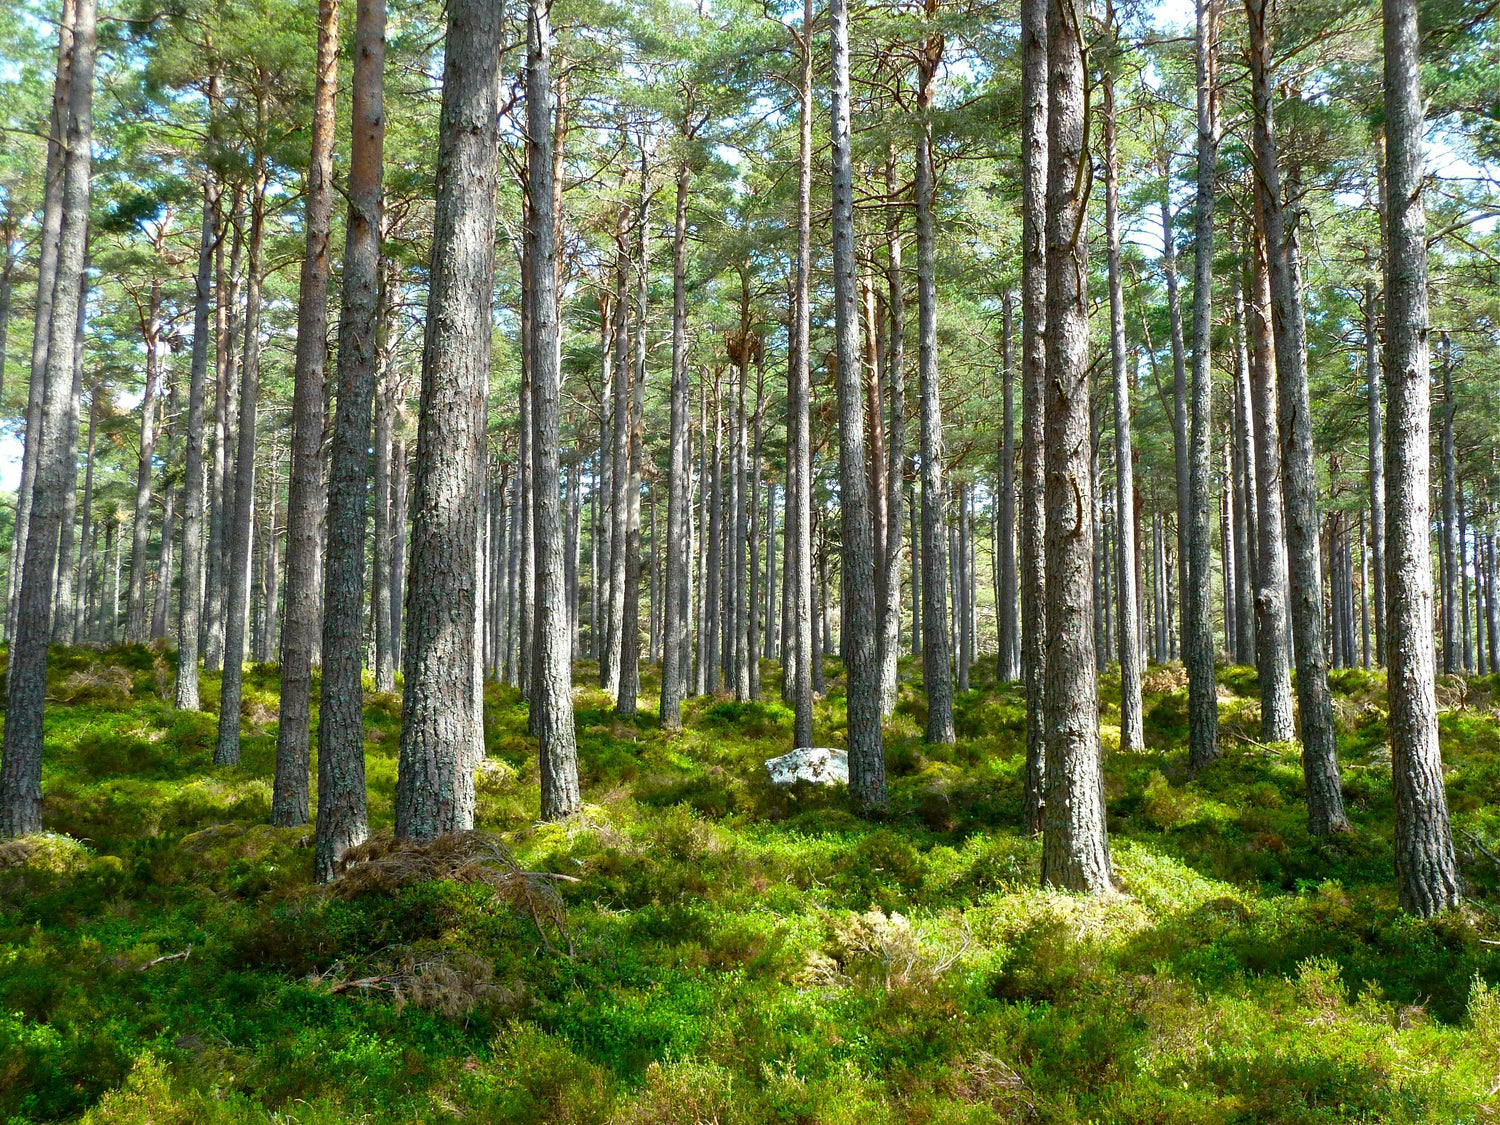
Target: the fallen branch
(1480, 848)
(183, 956)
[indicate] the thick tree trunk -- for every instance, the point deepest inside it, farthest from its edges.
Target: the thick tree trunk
(937, 676)
(342, 818)
(26, 676)
(1075, 848)
(1034, 159)
(306, 492)
(1426, 874)
(434, 784)
(237, 530)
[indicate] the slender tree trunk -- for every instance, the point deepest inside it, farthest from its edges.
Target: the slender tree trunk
(190, 603)
(1132, 734)
(1075, 847)
(1007, 623)
(48, 255)
(221, 476)
(434, 784)
(238, 532)
(1034, 331)
(752, 577)
(306, 489)
(936, 672)
(1426, 874)
(1450, 514)
(62, 602)
(163, 562)
(1319, 744)
(136, 625)
(1377, 468)
(1180, 457)
(1246, 491)
(342, 818)
(893, 370)
(86, 536)
(676, 655)
(1273, 656)
(630, 646)
(1198, 637)
(26, 675)
(552, 694)
(385, 417)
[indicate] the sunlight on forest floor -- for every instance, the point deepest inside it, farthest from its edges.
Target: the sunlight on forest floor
(739, 953)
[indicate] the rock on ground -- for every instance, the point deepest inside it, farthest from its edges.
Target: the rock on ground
(817, 765)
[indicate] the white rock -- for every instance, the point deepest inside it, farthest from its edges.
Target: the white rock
(818, 765)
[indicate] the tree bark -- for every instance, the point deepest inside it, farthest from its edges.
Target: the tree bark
(676, 655)
(1034, 164)
(630, 646)
(1426, 874)
(937, 675)
(1377, 469)
(1007, 622)
(26, 676)
(1075, 848)
(552, 688)
(1132, 733)
(306, 491)
(434, 783)
(237, 532)
(136, 625)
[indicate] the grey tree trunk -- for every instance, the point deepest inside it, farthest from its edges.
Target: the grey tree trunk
(752, 573)
(1377, 468)
(48, 250)
(676, 655)
(26, 677)
(1246, 491)
(1273, 653)
(163, 558)
(435, 781)
(1132, 733)
(86, 536)
(937, 675)
(136, 624)
(221, 475)
(862, 670)
(1075, 847)
(893, 370)
(342, 819)
(1320, 766)
(1180, 456)
(306, 491)
(552, 687)
(1198, 639)
(630, 646)
(237, 530)
(62, 602)
(799, 400)
(1426, 875)
(190, 603)
(1450, 515)
(1034, 160)
(609, 669)
(1007, 623)
(385, 416)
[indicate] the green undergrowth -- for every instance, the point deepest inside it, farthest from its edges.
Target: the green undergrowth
(720, 951)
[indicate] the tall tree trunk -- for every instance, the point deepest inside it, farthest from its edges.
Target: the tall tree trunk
(221, 477)
(799, 401)
(190, 603)
(1034, 161)
(630, 646)
(752, 576)
(1198, 638)
(49, 250)
(1426, 875)
(609, 670)
(342, 819)
(306, 491)
(893, 370)
(866, 754)
(1132, 733)
(1246, 491)
(676, 629)
(136, 625)
(1320, 767)
(385, 418)
(1007, 623)
(937, 675)
(62, 602)
(435, 780)
(237, 531)
(1176, 630)
(87, 534)
(26, 677)
(552, 688)
(1377, 468)
(1450, 514)
(1075, 847)
(163, 561)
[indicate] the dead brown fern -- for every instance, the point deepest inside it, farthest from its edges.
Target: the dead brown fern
(383, 865)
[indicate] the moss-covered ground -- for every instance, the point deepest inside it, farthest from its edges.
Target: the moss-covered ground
(732, 953)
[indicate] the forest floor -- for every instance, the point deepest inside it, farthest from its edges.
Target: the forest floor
(734, 953)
